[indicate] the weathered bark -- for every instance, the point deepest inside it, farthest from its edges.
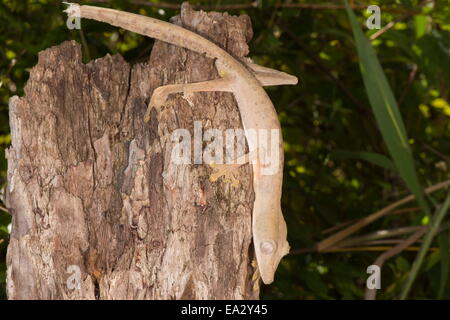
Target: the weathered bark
(91, 185)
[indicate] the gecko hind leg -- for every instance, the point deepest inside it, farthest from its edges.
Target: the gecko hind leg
(227, 171)
(271, 77)
(160, 94)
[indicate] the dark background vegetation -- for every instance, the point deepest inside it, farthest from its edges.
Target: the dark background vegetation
(326, 113)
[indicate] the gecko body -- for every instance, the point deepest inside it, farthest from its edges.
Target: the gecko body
(257, 112)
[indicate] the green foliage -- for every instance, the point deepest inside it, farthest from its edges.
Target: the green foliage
(375, 158)
(404, 81)
(385, 108)
(434, 229)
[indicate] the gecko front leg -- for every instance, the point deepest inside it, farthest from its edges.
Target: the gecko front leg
(160, 94)
(256, 277)
(265, 76)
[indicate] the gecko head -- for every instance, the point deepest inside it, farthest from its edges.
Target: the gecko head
(269, 254)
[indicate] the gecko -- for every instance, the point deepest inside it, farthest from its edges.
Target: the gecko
(245, 80)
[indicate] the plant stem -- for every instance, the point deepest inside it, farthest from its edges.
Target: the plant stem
(371, 294)
(333, 239)
(435, 224)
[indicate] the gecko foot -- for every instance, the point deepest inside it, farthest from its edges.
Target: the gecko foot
(157, 100)
(228, 171)
(256, 277)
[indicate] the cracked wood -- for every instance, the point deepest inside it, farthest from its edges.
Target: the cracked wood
(91, 185)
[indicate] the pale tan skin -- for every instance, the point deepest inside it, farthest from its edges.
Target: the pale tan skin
(256, 110)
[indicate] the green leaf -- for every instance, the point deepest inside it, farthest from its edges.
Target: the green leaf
(374, 158)
(420, 22)
(385, 109)
(402, 264)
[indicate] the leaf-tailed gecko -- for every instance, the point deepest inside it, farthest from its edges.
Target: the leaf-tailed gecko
(245, 80)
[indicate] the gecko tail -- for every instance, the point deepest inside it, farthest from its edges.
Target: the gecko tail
(73, 9)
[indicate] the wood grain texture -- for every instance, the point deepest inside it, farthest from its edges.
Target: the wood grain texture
(91, 185)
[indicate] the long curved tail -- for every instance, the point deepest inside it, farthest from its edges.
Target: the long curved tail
(150, 27)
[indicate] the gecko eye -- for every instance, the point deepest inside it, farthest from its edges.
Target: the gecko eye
(267, 247)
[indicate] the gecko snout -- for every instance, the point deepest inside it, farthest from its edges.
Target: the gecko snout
(270, 255)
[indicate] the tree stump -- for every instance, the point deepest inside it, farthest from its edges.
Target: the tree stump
(99, 209)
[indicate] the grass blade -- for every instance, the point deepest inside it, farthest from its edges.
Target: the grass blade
(434, 228)
(385, 109)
